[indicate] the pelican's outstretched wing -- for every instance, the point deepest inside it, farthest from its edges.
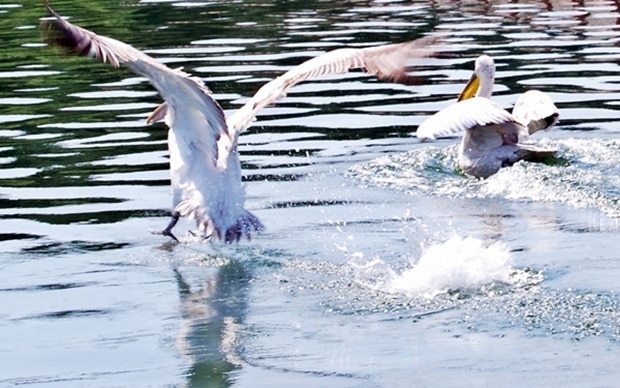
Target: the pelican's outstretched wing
(386, 62)
(462, 116)
(536, 111)
(189, 98)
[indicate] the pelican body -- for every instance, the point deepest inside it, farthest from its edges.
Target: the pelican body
(205, 169)
(493, 138)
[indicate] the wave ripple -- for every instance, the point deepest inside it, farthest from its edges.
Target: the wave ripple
(584, 174)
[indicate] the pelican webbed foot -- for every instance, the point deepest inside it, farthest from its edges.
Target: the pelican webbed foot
(168, 229)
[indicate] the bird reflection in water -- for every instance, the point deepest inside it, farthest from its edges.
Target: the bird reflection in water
(212, 316)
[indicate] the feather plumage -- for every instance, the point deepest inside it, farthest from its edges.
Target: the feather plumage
(536, 111)
(493, 138)
(204, 163)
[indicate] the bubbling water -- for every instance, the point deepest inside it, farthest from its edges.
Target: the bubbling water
(585, 174)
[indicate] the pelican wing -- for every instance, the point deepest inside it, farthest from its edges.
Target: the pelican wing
(535, 110)
(190, 100)
(532, 153)
(462, 116)
(385, 62)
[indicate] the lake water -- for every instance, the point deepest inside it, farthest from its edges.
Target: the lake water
(379, 266)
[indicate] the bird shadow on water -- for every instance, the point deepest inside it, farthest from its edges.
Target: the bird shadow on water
(75, 246)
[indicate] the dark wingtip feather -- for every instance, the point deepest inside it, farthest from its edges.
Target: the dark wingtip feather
(55, 36)
(406, 79)
(47, 6)
(60, 33)
(56, 32)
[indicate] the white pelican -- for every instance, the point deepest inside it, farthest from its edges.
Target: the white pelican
(204, 163)
(493, 137)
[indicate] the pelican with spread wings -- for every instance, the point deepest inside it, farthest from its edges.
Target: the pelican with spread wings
(204, 161)
(493, 137)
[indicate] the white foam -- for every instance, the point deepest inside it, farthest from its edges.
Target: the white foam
(586, 175)
(456, 264)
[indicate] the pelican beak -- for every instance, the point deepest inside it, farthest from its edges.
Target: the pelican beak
(470, 89)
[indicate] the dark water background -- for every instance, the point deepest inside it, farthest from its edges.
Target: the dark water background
(380, 265)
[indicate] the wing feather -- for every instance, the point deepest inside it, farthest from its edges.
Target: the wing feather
(536, 111)
(462, 116)
(186, 95)
(385, 62)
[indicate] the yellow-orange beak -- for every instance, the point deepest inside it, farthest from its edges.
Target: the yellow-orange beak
(471, 88)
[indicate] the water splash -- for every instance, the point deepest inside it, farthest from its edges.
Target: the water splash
(459, 263)
(458, 281)
(585, 174)
(589, 177)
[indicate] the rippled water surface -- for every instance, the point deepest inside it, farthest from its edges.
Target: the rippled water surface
(380, 265)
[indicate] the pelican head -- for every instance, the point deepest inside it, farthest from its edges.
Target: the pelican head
(481, 82)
